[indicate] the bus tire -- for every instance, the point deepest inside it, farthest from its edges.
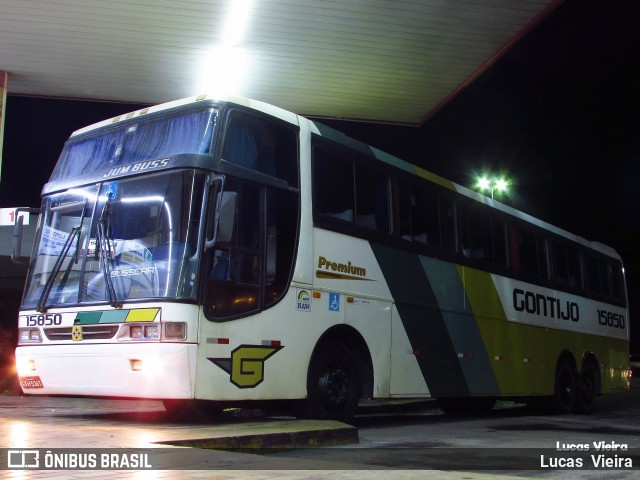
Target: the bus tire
(564, 392)
(332, 383)
(587, 389)
(466, 406)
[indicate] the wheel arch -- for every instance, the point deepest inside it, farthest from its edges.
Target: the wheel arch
(569, 357)
(355, 342)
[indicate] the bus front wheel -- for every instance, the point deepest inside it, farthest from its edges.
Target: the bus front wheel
(332, 384)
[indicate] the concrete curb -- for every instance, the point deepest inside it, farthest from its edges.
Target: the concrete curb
(325, 436)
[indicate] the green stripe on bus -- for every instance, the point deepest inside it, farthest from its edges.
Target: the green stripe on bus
(116, 316)
(461, 324)
(87, 318)
(113, 316)
(423, 321)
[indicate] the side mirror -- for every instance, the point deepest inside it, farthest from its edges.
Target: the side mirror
(226, 214)
(16, 241)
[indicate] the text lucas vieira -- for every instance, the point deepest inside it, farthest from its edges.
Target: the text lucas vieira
(598, 460)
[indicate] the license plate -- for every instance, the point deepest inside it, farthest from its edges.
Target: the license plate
(31, 382)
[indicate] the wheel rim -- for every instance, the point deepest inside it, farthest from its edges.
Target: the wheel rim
(587, 388)
(566, 392)
(334, 387)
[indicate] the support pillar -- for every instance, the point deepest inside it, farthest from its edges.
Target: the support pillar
(4, 79)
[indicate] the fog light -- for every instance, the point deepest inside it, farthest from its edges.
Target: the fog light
(25, 366)
(136, 365)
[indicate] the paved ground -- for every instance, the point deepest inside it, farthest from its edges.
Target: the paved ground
(74, 423)
(139, 427)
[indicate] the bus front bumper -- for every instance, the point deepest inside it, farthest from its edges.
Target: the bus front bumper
(137, 370)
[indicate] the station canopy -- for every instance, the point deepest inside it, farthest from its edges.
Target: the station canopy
(390, 61)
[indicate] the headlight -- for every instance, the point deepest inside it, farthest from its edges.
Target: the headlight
(136, 331)
(153, 332)
(29, 335)
(174, 331)
(139, 332)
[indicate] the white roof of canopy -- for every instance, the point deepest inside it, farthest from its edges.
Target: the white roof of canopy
(379, 60)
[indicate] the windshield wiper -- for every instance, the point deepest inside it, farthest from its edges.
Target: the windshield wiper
(104, 244)
(46, 291)
(75, 232)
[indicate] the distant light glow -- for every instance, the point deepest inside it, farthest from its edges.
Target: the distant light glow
(501, 185)
(484, 183)
(490, 185)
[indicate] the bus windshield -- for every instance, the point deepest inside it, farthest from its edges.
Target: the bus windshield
(120, 240)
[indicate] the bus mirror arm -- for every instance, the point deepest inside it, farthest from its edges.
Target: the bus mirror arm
(16, 243)
(226, 214)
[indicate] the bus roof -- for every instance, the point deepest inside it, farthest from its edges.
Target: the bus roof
(368, 150)
(242, 101)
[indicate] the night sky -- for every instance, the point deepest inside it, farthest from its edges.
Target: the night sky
(558, 114)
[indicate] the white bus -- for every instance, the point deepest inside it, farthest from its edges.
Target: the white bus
(230, 251)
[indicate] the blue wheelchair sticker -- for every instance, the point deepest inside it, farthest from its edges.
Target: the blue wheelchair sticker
(334, 302)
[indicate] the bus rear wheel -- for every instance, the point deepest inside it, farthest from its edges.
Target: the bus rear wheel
(587, 388)
(332, 384)
(564, 396)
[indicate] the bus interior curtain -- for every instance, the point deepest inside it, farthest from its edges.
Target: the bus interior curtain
(188, 133)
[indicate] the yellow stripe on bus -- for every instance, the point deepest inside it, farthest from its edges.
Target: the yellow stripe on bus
(142, 315)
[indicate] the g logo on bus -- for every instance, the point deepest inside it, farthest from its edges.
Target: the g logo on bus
(76, 333)
(246, 365)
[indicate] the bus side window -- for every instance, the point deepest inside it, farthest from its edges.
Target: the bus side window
(447, 223)
(564, 261)
(241, 142)
(523, 251)
(573, 267)
(263, 145)
(372, 199)
(592, 274)
(404, 205)
(474, 227)
(424, 212)
(559, 262)
(333, 186)
(617, 283)
(499, 236)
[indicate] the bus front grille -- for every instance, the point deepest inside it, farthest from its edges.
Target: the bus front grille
(89, 332)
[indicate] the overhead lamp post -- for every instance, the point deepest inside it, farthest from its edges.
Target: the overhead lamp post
(499, 185)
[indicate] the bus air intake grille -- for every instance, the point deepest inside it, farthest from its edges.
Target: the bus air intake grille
(89, 332)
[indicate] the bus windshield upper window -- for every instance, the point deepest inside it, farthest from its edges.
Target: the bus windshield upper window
(187, 132)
